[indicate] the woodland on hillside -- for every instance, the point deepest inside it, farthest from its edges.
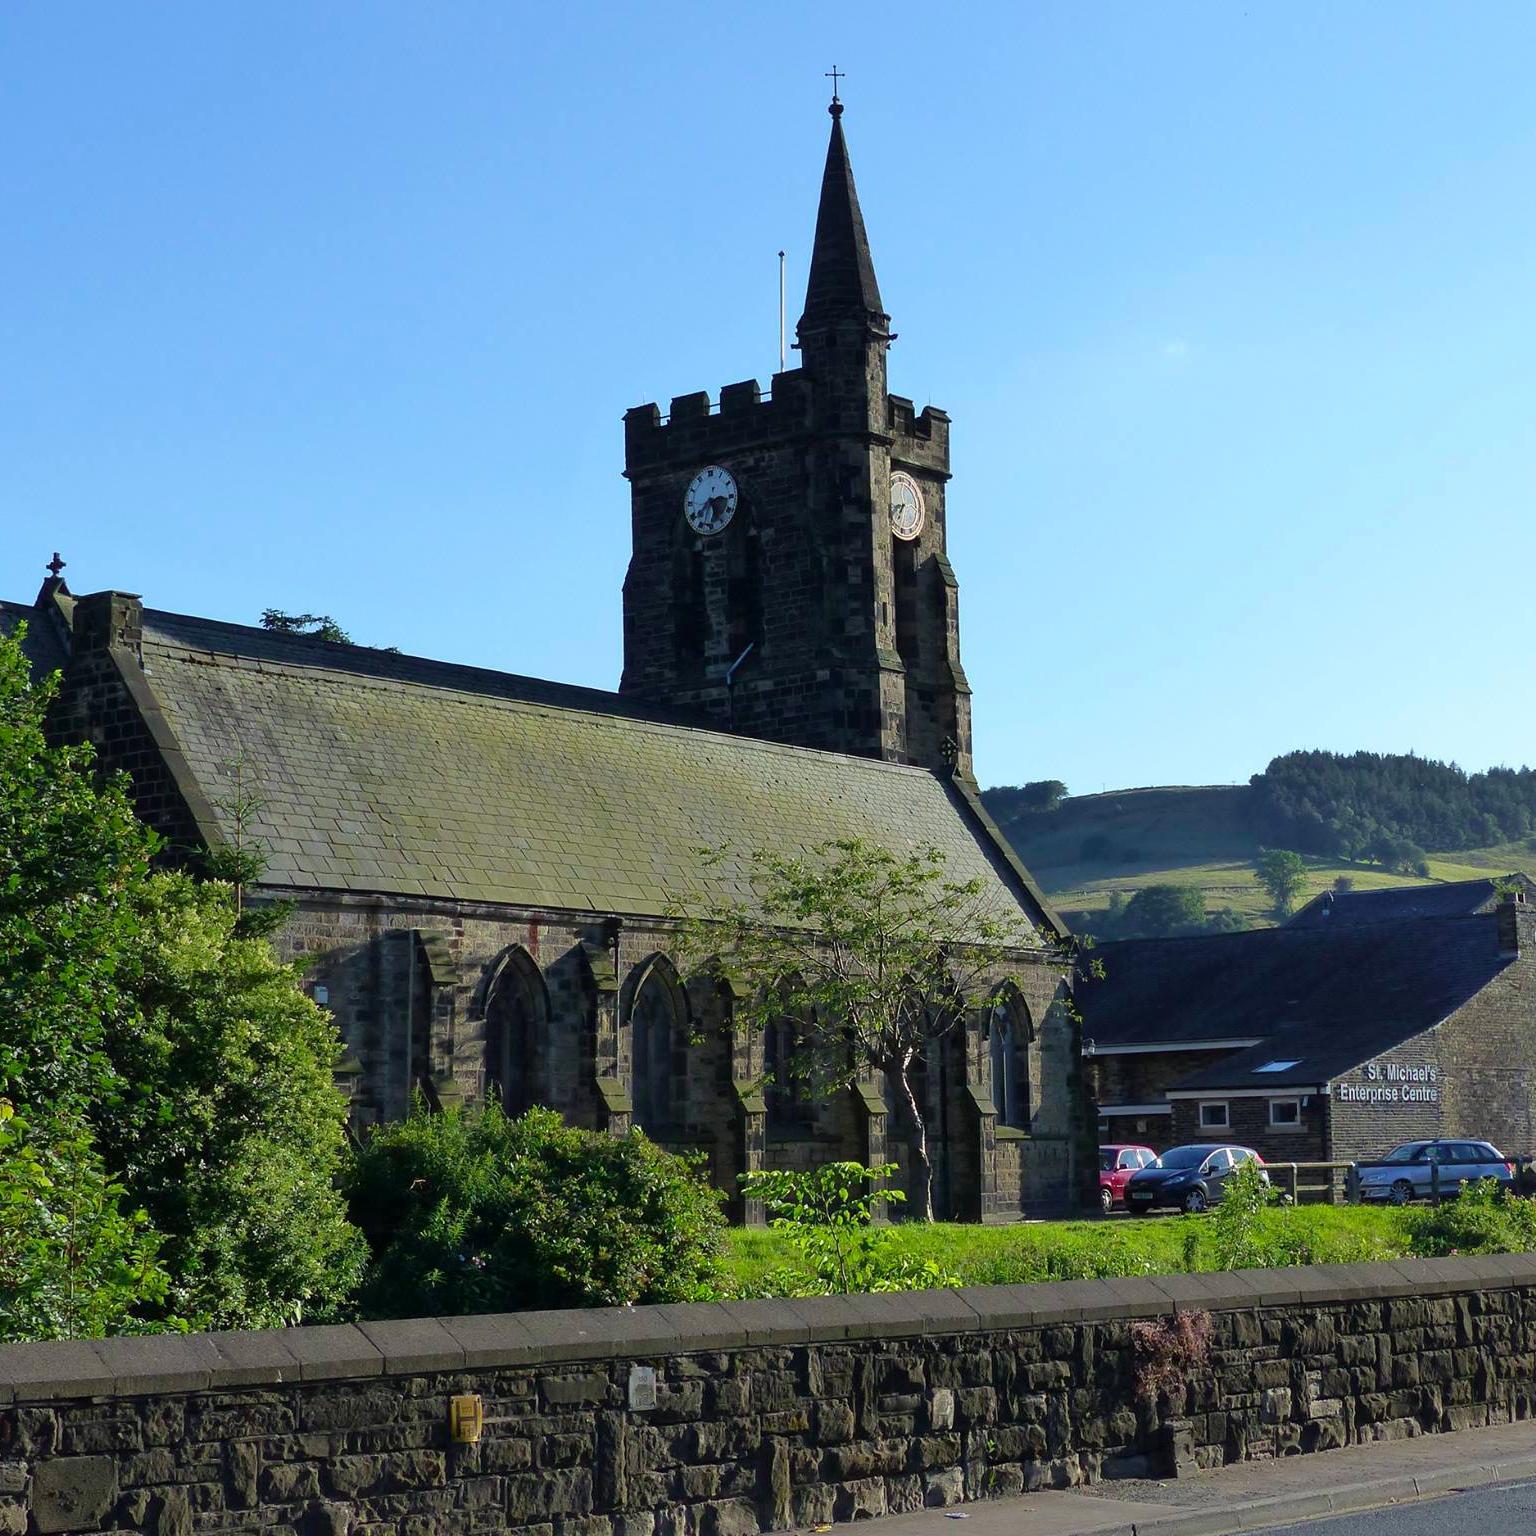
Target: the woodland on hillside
(1382, 807)
(1372, 807)
(1187, 859)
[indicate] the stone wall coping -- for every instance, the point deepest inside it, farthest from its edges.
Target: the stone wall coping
(144, 1365)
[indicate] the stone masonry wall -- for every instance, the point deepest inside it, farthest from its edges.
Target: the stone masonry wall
(761, 1415)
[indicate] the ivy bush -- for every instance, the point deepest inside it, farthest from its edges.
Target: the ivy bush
(470, 1211)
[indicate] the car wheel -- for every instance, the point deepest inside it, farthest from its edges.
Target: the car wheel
(1195, 1202)
(1106, 1199)
(1401, 1192)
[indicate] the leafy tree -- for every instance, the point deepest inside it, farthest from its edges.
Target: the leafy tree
(1159, 911)
(874, 955)
(1225, 920)
(230, 1129)
(1284, 875)
(164, 1062)
(468, 1211)
(73, 1263)
(1008, 800)
(321, 625)
(71, 849)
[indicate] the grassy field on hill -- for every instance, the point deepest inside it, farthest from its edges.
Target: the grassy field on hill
(1193, 835)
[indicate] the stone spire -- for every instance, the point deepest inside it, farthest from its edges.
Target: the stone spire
(842, 283)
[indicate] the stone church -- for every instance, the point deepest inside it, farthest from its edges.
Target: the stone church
(481, 864)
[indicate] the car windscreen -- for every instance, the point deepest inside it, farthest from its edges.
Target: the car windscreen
(1183, 1157)
(1405, 1153)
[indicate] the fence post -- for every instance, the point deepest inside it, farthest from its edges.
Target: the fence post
(1294, 1196)
(1352, 1184)
(1434, 1183)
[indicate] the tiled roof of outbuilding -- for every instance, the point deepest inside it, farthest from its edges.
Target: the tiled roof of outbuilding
(1326, 999)
(385, 773)
(1453, 898)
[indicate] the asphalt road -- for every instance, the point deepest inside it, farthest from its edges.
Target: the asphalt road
(1506, 1507)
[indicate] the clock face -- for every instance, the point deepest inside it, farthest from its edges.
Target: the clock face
(710, 502)
(906, 507)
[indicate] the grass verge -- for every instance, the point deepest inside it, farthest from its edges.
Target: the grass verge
(764, 1263)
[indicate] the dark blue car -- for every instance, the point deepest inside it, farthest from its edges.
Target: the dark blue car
(1187, 1178)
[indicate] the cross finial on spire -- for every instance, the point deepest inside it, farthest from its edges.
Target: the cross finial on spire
(834, 75)
(55, 566)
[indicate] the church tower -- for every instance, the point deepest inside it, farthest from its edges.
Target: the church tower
(789, 576)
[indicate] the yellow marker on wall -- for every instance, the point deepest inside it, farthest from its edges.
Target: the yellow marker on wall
(466, 1418)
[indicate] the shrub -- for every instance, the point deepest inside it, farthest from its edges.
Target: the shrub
(74, 1264)
(826, 1213)
(1484, 1218)
(468, 1211)
(1237, 1224)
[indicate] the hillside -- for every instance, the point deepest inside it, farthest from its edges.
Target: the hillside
(1200, 835)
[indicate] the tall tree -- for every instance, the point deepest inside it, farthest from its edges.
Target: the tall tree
(162, 1061)
(1157, 911)
(873, 955)
(1284, 875)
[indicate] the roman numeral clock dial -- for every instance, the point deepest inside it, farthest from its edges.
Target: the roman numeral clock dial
(906, 507)
(710, 501)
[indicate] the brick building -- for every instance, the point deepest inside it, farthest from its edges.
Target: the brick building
(1371, 1018)
(482, 864)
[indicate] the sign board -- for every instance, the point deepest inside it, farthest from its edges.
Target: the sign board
(642, 1388)
(1392, 1082)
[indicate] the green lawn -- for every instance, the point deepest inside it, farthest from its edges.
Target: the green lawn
(1232, 883)
(765, 1263)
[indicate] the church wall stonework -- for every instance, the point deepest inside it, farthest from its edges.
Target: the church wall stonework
(365, 962)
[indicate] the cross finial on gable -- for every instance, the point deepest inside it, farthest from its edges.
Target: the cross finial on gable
(55, 566)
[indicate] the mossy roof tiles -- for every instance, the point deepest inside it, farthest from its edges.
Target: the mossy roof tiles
(392, 774)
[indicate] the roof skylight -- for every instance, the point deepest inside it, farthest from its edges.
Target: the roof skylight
(1278, 1066)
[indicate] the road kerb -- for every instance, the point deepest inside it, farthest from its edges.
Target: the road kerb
(1351, 1498)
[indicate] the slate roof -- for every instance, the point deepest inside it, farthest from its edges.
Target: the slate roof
(1455, 898)
(43, 646)
(385, 773)
(1327, 998)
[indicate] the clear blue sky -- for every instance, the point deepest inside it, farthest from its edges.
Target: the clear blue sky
(338, 306)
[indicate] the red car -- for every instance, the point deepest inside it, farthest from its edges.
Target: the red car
(1116, 1165)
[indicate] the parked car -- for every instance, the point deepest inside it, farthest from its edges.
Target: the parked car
(1188, 1178)
(1117, 1162)
(1407, 1172)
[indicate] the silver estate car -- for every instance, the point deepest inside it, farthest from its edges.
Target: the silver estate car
(1407, 1172)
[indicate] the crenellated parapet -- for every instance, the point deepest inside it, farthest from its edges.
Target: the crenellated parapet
(696, 428)
(919, 440)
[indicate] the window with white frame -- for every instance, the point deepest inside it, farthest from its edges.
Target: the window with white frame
(1214, 1117)
(1284, 1112)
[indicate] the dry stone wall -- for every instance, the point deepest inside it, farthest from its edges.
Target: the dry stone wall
(731, 1418)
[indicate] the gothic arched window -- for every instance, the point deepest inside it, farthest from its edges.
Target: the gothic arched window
(787, 1089)
(517, 1032)
(658, 1021)
(1009, 1033)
